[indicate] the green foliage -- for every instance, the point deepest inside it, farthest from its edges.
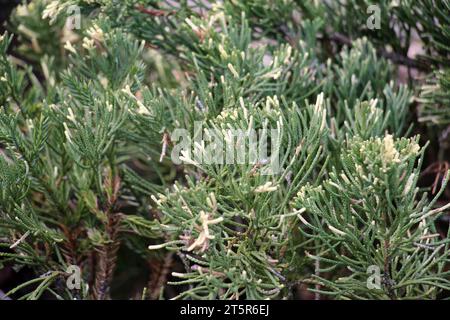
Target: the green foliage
(233, 232)
(370, 213)
(361, 81)
(37, 36)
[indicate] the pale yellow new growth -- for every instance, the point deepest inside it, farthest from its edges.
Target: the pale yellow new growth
(204, 236)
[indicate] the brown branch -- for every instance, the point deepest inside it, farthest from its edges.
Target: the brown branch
(69, 246)
(154, 12)
(158, 277)
(107, 253)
